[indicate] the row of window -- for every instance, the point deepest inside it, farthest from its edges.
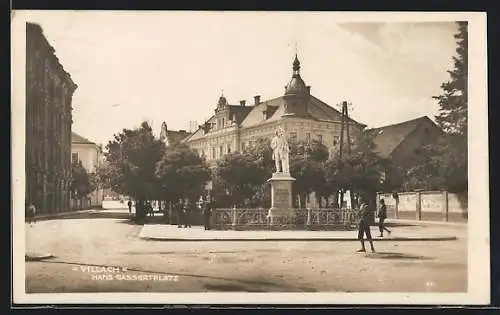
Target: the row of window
(318, 138)
(218, 152)
(215, 152)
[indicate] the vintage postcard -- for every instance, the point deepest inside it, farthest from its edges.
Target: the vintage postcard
(184, 157)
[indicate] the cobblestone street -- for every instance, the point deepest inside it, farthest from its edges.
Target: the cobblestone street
(82, 245)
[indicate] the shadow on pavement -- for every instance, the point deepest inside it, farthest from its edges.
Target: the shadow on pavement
(88, 215)
(393, 255)
(230, 288)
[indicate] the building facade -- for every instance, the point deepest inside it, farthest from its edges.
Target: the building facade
(301, 115)
(49, 92)
(91, 157)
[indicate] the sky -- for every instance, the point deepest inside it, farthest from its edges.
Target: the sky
(173, 66)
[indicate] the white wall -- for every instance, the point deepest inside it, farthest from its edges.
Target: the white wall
(90, 156)
(87, 153)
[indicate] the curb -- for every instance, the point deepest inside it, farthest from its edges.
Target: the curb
(37, 257)
(423, 223)
(322, 239)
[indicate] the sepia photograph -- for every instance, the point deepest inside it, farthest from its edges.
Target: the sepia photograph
(219, 157)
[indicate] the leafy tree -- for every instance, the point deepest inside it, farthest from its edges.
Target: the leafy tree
(453, 102)
(103, 176)
(81, 183)
(444, 167)
(181, 173)
(261, 153)
(360, 172)
(241, 175)
(131, 163)
(306, 166)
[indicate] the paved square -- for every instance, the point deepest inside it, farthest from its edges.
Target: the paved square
(83, 247)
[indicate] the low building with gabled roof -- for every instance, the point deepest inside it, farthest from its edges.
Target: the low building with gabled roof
(402, 143)
(90, 155)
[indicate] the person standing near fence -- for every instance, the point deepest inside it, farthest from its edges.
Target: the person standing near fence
(30, 212)
(364, 225)
(382, 215)
(207, 213)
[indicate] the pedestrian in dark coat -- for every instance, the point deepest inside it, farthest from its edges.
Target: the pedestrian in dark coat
(382, 215)
(207, 213)
(364, 217)
(129, 204)
(30, 212)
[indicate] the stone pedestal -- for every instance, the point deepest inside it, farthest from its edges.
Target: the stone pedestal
(281, 211)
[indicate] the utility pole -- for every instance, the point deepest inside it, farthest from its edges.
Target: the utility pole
(344, 128)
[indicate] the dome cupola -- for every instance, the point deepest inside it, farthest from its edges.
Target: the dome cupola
(296, 84)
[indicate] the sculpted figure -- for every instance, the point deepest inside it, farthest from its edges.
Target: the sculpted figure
(281, 151)
(163, 133)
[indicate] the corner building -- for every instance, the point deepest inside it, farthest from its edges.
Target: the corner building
(49, 92)
(298, 112)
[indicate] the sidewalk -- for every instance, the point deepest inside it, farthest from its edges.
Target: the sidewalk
(173, 233)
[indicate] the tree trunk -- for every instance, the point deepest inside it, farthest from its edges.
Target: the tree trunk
(341, 198)
(140, 211)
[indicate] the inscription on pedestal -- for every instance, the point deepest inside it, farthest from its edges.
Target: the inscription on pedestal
(281, 197)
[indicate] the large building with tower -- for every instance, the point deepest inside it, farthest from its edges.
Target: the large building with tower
(303, 116)
(49, 92)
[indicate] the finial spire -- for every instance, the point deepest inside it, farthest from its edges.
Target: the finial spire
(296, 65)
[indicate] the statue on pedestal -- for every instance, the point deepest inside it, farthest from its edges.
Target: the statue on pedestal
(281, 152)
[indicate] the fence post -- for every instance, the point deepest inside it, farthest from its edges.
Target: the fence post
(396, 210)
(445, 205)
(235, 218)
(419, 206)
(308, 223)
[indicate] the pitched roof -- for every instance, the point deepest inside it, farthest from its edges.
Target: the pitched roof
(388, 138)
(175, 137)
(317, 109)
(76, 138)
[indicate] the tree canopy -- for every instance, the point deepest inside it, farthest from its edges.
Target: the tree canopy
(131, 162)
(452, 117)
(181, 173)
(81, 183)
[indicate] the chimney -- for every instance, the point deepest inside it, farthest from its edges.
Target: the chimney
(308, 89)
(256, 99)
(242, 102)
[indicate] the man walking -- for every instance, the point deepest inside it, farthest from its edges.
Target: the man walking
(364, 226)
(180, 213)
(129, 204)
(382, 215)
